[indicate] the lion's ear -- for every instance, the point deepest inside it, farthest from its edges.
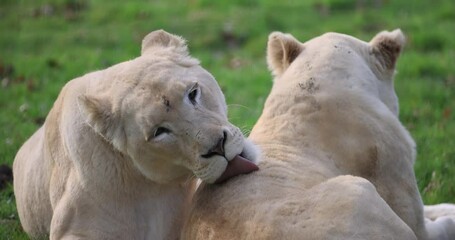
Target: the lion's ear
(162, 39)
(282, 50)
(98, 113)
(387, 47)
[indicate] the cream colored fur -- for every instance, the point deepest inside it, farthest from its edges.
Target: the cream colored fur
(336, 163)
(118, 152)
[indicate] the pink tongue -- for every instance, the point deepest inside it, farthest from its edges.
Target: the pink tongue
(238, 165)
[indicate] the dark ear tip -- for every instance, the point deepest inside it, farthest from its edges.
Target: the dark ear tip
(395, 38)
(282, 50)
(388, 46)
(275, 35)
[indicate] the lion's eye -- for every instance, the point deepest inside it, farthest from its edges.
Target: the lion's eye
(192, 96)
(160, 130)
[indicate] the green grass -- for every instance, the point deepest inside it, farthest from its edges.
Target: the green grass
(47, 43)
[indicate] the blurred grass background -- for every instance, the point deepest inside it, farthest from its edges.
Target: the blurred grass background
(44, 44)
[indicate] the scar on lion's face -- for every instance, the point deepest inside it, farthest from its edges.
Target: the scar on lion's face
(166, 103)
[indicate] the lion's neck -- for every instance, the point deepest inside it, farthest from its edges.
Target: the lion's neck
(340, 132)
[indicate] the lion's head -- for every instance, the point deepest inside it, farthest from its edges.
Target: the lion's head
(167, 114)
(355, 65)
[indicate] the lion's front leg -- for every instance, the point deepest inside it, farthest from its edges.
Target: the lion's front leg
(400, 191)
(364, 211)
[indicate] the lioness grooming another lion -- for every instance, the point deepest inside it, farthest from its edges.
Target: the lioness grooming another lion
(336, 163)
(118, 152)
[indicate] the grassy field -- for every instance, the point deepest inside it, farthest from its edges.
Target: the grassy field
(44, 44)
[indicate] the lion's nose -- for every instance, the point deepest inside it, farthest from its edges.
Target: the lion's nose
(218, 149)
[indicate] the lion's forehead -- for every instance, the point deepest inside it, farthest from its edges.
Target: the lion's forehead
(335, 51)
(336, 45)
(165, 71)
(161, 101)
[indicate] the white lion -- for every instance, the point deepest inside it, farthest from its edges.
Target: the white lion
(336, 163)
(116, 156)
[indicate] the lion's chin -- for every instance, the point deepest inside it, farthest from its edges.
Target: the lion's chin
(238, 165)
